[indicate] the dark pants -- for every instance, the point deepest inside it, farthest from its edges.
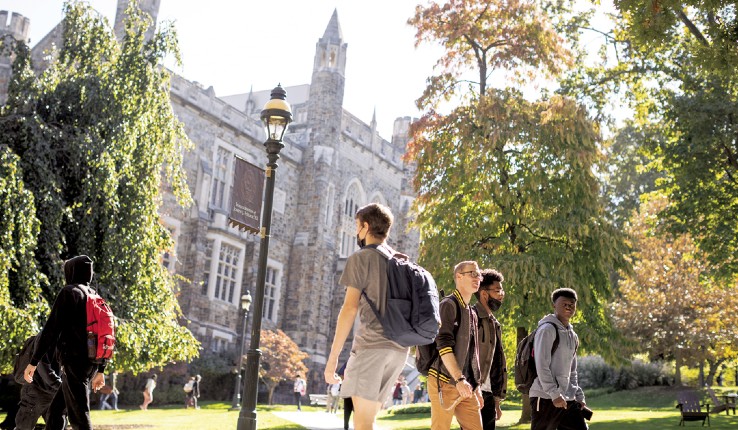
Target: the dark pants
(36, 402)
(298, 400)
(489, 412)
(75, 388)
(348, 408)
(546, 416)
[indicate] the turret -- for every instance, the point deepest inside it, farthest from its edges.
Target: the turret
(150, 7)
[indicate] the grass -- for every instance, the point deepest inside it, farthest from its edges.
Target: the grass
(641, 409)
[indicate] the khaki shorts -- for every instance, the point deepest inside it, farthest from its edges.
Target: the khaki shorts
(371, 373)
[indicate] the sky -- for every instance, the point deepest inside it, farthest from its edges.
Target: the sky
(236, 45)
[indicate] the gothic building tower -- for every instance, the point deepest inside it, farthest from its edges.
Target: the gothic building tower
(311, 282)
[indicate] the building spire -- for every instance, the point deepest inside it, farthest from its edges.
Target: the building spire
(333, 33)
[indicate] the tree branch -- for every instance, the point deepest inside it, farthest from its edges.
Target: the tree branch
(692, 28)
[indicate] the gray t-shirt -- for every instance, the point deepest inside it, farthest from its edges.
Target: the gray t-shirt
(366, 270)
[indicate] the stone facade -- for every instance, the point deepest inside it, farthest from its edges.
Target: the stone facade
(332, 164)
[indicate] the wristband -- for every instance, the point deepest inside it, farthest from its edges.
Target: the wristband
(461, 378)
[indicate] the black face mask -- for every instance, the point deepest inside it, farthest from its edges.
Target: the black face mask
(360, 242)
(493, 304)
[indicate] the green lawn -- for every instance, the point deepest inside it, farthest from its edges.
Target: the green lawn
(642, 409)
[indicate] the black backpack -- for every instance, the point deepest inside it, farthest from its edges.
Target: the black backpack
(525, 363)
(426, 355)
(411, 313)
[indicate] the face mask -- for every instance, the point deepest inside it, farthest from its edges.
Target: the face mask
(359, 241)
(493, 304)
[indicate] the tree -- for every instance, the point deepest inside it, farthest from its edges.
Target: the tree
(20, 282)
(507, 181)
(677, 61)
(97, 142)
(281, 359)
(669, 305)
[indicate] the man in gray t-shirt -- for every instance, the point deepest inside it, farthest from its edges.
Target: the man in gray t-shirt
(375, 361)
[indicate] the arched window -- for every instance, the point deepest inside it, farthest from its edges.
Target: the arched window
(353, 200)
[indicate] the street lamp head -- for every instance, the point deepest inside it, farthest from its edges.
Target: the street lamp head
(276, 114)
(246, 301)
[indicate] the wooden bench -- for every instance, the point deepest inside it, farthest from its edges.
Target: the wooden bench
(318, 399)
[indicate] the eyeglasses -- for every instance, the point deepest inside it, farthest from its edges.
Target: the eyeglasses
(472, 273)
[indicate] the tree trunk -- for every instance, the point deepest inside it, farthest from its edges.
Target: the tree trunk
(677, 368)
(526, 413)
(701, 375)
(270, 391)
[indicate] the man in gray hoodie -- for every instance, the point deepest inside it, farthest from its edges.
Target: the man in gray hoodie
(556, 399)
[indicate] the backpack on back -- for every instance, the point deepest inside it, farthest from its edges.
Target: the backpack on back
(100, 327)
(426, 355)
(411, 313)
(525, 363)
(189, 386)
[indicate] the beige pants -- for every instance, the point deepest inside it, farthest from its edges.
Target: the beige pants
(466, 411)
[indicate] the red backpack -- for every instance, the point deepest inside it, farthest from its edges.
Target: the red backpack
(100, 327)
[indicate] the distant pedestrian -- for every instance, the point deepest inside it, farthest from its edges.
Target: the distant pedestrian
(110, 392)
(405, 392)
(148, 393)
(195, 393)
(299, 389)
(418, 393)
(397, 393)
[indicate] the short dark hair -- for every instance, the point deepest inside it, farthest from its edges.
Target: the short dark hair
(378, 216)
(489, 277)
(563, 292)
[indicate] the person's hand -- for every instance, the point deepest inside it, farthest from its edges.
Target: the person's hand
(560, 402)
(28, 373)
(480, 398)
(98, 381)
(498, 411)
(330, 371)
(464, 388)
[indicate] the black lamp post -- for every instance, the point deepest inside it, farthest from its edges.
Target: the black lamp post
(245, 306)
(276, 115)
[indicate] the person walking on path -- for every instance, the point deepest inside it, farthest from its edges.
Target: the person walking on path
(491, 356)
(299, 389)
(556, 399)
(148, 393)
(66, 330)
(39, 397)
(375, 361)
(454, 378)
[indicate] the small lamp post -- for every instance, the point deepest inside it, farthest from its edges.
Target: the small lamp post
(276, 116)
(245, 306)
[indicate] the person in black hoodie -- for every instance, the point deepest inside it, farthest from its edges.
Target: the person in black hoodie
(65, 329)
(39, 397)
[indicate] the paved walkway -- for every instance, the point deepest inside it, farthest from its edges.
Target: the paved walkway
(315, 420)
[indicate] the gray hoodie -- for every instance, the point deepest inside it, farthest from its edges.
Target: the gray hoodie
(557, 374)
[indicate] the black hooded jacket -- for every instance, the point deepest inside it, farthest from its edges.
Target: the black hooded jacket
(66, 327)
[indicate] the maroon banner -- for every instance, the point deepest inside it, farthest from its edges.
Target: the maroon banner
(246, 198)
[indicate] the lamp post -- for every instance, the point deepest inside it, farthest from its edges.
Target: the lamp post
(245, 306)
(276, 115)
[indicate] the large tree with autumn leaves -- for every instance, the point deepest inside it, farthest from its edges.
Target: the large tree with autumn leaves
(668, 304)
(507, 180)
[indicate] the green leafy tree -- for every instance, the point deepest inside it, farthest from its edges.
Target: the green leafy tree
(282, 360)
(677, 61)
(97, 143)
(20, 281)
(507, 181)
(669, 305)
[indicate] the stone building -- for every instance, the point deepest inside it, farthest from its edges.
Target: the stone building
(332, 163)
